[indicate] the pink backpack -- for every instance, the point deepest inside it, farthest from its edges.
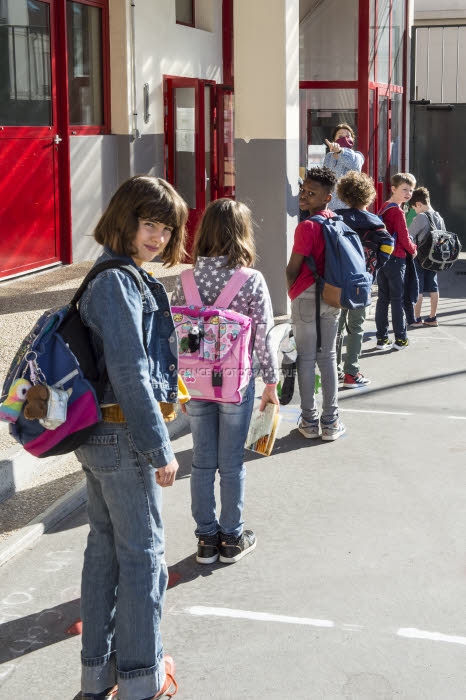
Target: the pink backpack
(213, 342)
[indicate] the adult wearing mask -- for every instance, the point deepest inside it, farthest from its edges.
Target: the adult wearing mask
(341, 158)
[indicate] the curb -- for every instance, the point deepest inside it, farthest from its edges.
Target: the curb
(31, 532)
(28, 535)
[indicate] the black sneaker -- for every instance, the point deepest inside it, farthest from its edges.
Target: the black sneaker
(207, 549)
(383, 344)
(400, 343)
(341, 377)
(235, 548)
(109, 694)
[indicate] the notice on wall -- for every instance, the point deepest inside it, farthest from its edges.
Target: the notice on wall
(315, 156)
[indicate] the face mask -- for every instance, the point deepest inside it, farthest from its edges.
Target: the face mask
(345, 142)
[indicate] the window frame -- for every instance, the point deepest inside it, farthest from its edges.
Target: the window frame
(104, 128)
(193, 14)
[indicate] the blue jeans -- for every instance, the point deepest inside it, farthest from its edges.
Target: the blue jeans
(124, 575)
(390, 281)
(303, 314)
(219, 434)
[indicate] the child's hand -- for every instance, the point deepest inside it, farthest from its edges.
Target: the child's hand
(269, 395)
(165, 476)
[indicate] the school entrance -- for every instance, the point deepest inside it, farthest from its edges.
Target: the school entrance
(199, 143)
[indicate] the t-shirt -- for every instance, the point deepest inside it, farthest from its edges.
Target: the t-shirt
(309, 240)
(421, 225)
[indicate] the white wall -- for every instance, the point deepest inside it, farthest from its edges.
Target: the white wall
(161, 47)
(428, 11)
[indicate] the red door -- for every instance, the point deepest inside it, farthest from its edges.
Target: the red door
(191, 151)
(29, 141)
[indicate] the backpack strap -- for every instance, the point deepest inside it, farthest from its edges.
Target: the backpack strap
(232, 287)
(226, 296)
(108, 265)
(386, 207)
(190, 290)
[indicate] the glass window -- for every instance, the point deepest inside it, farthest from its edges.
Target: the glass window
(372, 134)
(207, 149)
(25, 73)
(329, 29)
(383, 41)
(320, 112)
(227, 148)
(398, 29)
(85, 64)
(185, 139)
(382, 165)
(396, 133)
(372, 41)
(185, 12)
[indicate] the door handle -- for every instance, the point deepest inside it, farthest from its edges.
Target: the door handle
(57, 139)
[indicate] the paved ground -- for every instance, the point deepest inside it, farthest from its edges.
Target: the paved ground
(356, 588)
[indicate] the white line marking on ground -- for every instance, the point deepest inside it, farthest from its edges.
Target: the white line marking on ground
(407, 632)
(413, 633)
(457, 417)
(262, 617)
(384, 413)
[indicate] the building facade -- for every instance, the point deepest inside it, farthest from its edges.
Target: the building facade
(221, 97)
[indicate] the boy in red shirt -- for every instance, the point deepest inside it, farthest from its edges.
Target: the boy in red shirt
(315, 195)
(390, 278)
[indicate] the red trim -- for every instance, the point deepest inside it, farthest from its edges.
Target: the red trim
(227, 42)
(328, 84)
(363, 80)
(404, 117)
(64, 233)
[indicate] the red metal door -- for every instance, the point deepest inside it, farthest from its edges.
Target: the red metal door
(28, 139)
(191, 152)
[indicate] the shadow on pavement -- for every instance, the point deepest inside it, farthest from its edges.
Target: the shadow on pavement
(36, 631)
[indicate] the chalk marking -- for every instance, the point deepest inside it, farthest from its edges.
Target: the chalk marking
(413, 633)
(457, 417)
(201, 610)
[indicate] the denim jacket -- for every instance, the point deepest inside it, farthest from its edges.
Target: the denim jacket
(142, 365)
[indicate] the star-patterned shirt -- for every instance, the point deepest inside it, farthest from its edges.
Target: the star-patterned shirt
(253, 300)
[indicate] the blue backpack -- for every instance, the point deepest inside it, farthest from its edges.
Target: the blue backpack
(57, 358)
(346, 284)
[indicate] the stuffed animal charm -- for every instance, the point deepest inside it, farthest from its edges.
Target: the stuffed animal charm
(36, 402)
(10, 409)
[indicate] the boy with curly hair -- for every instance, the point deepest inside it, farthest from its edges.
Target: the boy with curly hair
(316, 192)
(356, 190)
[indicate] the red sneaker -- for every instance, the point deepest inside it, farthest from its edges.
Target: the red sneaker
(169, 679)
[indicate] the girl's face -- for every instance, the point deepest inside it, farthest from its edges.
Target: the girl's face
(342, 134)
(150, 240)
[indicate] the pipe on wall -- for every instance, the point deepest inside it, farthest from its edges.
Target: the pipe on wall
(132, 38)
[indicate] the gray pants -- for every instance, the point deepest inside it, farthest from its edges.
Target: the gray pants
(303, 311)
(353, 321)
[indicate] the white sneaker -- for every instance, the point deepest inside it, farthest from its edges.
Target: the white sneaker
(333, 431)
(309, 430)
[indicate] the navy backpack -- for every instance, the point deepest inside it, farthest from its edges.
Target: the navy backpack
(346, 284)
(58, 353)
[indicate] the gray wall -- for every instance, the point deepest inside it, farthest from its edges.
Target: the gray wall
(98, 165)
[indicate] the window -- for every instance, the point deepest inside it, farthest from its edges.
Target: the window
(86, 52)
(25, 66)
(185, 12)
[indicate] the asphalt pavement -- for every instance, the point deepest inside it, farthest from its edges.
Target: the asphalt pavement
(356, 587)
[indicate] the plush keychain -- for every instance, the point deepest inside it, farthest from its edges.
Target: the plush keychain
(10, 409)
(36, 402)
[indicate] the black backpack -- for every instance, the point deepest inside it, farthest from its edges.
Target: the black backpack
(439, 249)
